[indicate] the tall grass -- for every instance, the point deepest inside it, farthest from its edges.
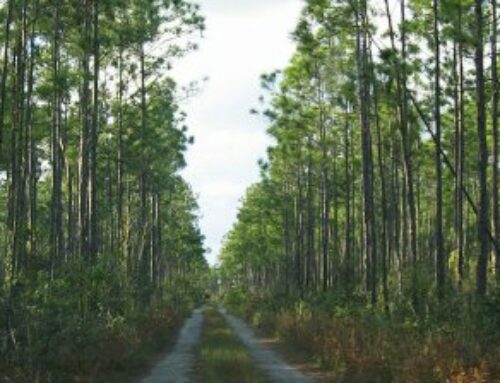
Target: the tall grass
(361, 344)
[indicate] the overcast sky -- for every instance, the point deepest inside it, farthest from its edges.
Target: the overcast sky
(244, 38)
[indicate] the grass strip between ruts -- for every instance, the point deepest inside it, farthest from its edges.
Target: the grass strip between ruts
(222, 357)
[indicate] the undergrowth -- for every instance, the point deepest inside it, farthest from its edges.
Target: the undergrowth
(86, 326)
(454, 342)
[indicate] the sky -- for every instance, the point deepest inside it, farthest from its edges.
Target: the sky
(243, 39)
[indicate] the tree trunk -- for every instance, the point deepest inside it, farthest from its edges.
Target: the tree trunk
(30, 155)
(494, 114)
(347, 175)
(440, 258)
(93, 236)
(120, 167)
(56, 210)
(482, 264)
(85, 137)
(459, 156)
(5, 69)
(370, 251)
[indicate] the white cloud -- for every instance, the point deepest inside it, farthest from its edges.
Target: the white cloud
(222, 189)
(244, 39)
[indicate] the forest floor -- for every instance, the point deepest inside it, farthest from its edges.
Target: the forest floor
(214, 346)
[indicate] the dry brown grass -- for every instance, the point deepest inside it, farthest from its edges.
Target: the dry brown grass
(354, 350)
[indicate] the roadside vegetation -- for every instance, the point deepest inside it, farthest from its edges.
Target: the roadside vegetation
(351, 342)
(101, 256)
(372, 239)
